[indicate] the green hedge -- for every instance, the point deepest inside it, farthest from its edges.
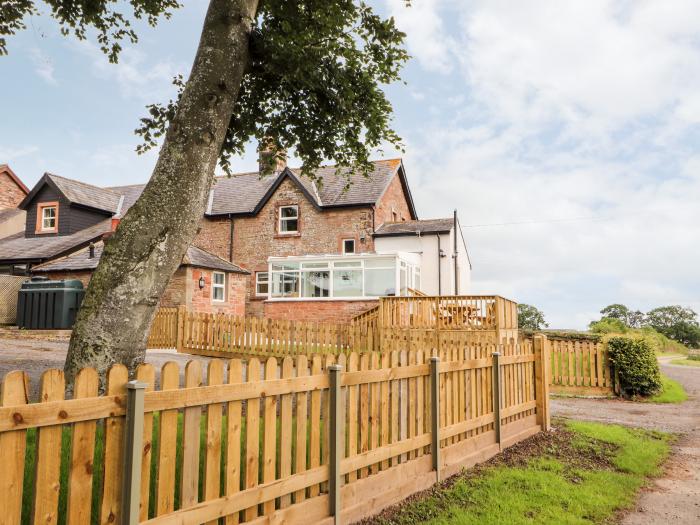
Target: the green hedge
(636, 366)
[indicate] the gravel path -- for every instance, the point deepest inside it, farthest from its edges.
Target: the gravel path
(35, 356)
(675, 496)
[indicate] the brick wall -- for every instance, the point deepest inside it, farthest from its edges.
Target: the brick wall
(10, 194)
(82, 275)
(334, 311)
(256, 238)
(393, 200)
(183, 289)
(201, 299)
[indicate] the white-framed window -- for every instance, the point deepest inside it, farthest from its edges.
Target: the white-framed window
(262, 283)
(47, 217)
(356, 277)
(218, 286)
(289, 219)
(348, 246)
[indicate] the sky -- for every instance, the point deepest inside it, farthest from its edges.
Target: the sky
(566, 134)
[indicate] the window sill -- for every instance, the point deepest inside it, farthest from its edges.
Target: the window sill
(46, 232)
(287, 235)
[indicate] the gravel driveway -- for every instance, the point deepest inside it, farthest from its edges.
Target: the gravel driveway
(36, 356)
(675, 496)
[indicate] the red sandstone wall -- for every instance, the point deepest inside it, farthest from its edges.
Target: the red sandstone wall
(392, 200)
(10, 194)
(201, 298)
(334, 311)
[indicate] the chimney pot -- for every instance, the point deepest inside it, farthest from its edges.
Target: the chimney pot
(271, 158)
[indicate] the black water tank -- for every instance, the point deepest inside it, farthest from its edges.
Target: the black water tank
(49, 305)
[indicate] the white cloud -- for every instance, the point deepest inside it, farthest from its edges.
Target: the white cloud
(43, 65)
(427, 39)
(8, 154)
(571, 110)
(136, 74)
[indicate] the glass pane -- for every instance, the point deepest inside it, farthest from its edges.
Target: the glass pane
(380, 282)
(349, 246)
(218, 293)
(262, 277)
(347, 283)
(315, 284)
(289, 211)
(285, 284)
(289, 225)
(219, 278)
(417, 283)
(347, 264)
(380, 263)
(285, 266)
(315, 265)
(262, 289)
(403, 280)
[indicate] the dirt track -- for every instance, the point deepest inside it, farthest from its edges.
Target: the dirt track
(675, 496)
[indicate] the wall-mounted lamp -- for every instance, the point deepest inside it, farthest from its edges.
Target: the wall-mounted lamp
(363, 237)
(442, 253)
(202, 282)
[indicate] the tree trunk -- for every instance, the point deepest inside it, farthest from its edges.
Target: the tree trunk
(148, 246)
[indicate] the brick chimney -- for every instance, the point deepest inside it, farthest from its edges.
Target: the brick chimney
(270, 158)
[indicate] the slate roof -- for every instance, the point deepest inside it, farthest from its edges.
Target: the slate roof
(86, 194)
(424, 226)
(246, 193)
(81, 260)
(18, 248)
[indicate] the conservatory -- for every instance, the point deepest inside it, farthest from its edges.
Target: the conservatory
(347, 277)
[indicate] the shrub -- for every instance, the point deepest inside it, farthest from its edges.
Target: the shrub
(636, 366)
(608, 325)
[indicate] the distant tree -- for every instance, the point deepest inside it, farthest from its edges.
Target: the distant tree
(608, 325)
(676, 322)
(616, 311)
(636, 319)
(530, 318)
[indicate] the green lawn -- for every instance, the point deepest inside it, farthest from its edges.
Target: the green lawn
(581, 475)
(671, 392)
(686, 362)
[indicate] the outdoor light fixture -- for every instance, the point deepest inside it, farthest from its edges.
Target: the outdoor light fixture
(202, 282)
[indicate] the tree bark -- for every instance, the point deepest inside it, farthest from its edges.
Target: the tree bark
(148, 246)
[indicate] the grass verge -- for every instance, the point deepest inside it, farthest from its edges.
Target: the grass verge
(686, 362)
(581, 474)
(671, 392)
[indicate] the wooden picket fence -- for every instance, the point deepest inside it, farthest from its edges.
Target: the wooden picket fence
(396, 323)
(299, 440)
(580, 367)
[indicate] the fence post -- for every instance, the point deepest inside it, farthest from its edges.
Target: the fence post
(542, 379)
(133, 445)
(435, 413)
(180, 334)
(336, 445)
(497, 396)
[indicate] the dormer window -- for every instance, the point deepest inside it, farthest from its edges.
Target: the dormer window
(47, 217)
(289, 219)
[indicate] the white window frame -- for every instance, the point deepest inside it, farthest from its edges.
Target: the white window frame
(281, 219)
(354, 246)
(259, 281)
(45, 228)
(215, 286)
(297, 266)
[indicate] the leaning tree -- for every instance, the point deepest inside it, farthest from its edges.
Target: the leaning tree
(303, 74)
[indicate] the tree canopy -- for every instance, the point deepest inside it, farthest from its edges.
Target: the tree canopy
(530, 318)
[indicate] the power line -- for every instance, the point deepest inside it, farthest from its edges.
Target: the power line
(544, 221)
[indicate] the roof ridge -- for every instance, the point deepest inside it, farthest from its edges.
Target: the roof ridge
(81, 182)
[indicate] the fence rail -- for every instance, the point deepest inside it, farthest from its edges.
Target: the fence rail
(580, 367)
(256, 442)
